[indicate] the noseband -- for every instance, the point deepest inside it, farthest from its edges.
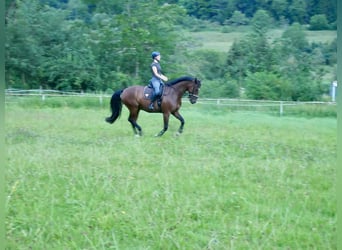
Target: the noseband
(191, 94)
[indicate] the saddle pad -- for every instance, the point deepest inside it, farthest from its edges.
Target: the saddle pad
(148, 93)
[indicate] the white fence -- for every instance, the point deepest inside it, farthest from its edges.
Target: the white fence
(260, 105)
(235, 104)
(50, 93)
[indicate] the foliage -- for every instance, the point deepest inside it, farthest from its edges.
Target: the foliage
(252, 54)
(319, 22)
(327, 51)
(93, 45)
(220, 88)
(289, 68)
(237, 19)
(294, 40)
(208, 63)
(267, 86)
(69, 48)
(261, 22)
(222, 11)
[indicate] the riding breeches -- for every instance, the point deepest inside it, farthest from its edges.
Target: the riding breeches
(156, 83)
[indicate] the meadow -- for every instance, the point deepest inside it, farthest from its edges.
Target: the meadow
(217, 40)
(232, 180)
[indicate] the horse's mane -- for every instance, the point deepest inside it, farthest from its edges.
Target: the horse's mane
(180, 79)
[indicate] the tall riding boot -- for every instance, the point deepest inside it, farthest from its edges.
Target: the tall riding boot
(158, 98)
(150, 107)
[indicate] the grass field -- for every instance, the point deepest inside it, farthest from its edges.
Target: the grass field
(232, 180)
(221, 42)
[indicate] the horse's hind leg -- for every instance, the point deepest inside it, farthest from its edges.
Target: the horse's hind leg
(133, 116)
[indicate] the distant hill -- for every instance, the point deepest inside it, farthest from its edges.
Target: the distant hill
(221, 42)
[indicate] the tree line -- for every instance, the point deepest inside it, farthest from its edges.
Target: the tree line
(290, 11)
(104, 45)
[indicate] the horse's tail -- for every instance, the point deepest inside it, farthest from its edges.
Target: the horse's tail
(116, 107)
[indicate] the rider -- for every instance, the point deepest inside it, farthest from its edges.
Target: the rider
(157, 77)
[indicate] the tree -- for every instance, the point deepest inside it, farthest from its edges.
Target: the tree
(208, 64)
(278, 9)
(146, 28)
(294, 40)
(297, 12)
(296, 63)
(75, 48)
(252, 54)
(246, 7)
(323, 7)
(34, 33)
(237, 19)
(261, 22)
(319, 22)
(267, 86)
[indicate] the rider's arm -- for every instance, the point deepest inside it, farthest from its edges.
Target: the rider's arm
(161, 76)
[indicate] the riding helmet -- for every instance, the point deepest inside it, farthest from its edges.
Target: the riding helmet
(154, 54)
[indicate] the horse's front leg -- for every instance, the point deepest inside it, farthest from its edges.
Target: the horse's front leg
(181, 119)
(166, 117)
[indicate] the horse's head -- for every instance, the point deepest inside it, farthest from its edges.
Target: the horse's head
(194, 91)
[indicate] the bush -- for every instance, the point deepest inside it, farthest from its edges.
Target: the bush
(219, 89)
(208, 64)
(319, 22)
(237, 19)
(267, 86)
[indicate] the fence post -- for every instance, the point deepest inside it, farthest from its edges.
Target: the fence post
(281, 108)
(42, 93)
(100, 99)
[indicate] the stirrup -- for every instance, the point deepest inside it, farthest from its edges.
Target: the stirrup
(150, 107)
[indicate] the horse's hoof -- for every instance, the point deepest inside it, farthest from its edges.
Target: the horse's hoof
(109, 120)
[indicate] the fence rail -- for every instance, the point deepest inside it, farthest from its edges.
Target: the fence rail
(236, 104)
(46, 92)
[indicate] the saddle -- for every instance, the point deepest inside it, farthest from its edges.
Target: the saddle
(148, 92)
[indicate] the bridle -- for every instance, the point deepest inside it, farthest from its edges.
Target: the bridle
(191, 93)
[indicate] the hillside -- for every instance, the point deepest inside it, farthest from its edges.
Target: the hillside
(221, 42)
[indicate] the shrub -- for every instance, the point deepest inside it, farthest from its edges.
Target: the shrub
(319, 22)
(219, 89)
(267, 86)
(238, 19)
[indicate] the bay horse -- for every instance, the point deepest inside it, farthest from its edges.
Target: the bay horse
(134, 98)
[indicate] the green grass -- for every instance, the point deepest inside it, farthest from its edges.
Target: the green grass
(221, 42)
(232, 180)
(215, 40)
